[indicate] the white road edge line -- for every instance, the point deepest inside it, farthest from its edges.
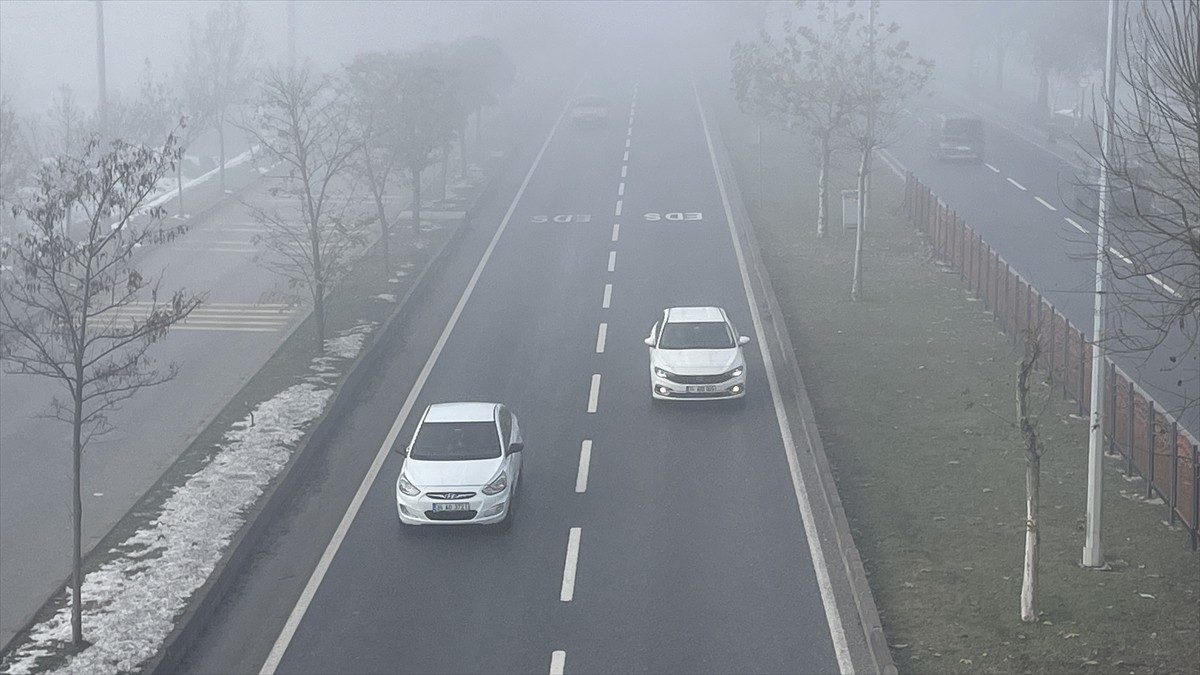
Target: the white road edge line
(585, 461)
(1076, 225)
(558, 661)
(616, 231)
(601, 335)
(612, 261)
(607, 297)
(594, 394)
(994, 169)
(620, 203)
(1045, 203)
(832, 617)
(314, 582)
(570, 566)
(1017, 185)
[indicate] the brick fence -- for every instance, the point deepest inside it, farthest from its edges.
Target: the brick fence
(1154, 446)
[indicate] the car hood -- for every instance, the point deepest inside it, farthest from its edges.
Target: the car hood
(696, 361)
(452, 474)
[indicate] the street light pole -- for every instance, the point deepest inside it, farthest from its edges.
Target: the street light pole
(103, 108)
(1093, 553)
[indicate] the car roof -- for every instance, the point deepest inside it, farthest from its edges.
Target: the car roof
(463, 411)
(695, 314)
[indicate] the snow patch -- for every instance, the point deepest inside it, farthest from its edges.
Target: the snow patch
(386, 297)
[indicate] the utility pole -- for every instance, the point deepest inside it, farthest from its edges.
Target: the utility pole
(1093, 552)
(100, 70)
(291, 20)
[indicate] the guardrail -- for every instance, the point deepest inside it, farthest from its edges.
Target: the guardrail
(1151, 441)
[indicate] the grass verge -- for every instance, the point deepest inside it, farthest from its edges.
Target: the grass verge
(914, 396)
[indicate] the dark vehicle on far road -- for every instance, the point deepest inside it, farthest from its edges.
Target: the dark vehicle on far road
(957, 137)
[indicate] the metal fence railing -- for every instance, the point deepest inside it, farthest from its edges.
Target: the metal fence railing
(1150, 440)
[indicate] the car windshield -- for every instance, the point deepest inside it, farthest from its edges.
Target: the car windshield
(449, 441)
(696, 335)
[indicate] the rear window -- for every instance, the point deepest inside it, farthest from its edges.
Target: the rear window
(964, 126)
(446, 441)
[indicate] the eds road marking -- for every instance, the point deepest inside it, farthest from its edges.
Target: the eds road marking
(572, 563)
(314, 582)
(594, 393)
(585, 460)
(558, 660)
(833, 618)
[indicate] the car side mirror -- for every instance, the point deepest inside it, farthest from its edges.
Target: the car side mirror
(744, 340)
(514, 448)
(649, 341)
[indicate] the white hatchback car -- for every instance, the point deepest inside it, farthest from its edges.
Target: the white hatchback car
(696, 353)
(462, 467)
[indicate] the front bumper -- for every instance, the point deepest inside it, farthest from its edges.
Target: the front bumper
(668, 390)
(481, 509)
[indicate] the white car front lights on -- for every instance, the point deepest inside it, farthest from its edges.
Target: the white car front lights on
(662, 373)
(497, 486)
(406, 487)
(736, 372)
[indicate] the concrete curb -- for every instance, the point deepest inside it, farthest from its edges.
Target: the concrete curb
(240, 553)
(792, 383)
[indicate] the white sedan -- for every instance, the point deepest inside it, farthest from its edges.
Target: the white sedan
(462, 467)
(696, 353)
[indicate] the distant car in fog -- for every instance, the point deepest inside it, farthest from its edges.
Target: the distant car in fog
(590, 111)
(957, 137)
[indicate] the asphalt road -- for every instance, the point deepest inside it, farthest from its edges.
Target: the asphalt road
(691, 555)
(1022, 201)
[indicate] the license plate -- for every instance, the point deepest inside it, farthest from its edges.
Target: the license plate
(701, 389)
(452, 506)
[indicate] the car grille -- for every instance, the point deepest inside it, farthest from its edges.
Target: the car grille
(699, 379)
(450, 495)
(450, 515)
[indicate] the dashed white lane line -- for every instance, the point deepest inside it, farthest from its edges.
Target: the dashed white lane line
(1076, 225)
(1045, 203)
(558, 660)
(616, 231)
(1017, 185)
(994, 169)
(621, 189)
(626, 142)
(594, 394)
(1124, 258)
(626, 157)
(600, 336)
(619, 205)
(607, 297)
(568, 584)
(624, 170)
(629, 132)
(585, 461)
(1165, 287)
(612, 261)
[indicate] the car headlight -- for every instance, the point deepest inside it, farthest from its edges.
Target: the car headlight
(497, 486)
(661, 373)
(406, 487)
(736, 372)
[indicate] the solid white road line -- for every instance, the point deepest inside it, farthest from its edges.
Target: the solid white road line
(607, 296)
(572, 563)
(600, 336)
(558, 660)
(612, 260)
(619, 204)
(832, 617)
(1017, 185)
(1045, 203)
(626, 157)
(585, 460)
(624, 170)
(616, 231)
(318, 574)
(994, 169)
(1076, 225)
(621, 189)
(594, 393)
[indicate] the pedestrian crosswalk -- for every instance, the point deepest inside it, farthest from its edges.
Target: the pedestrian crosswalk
(221, 316)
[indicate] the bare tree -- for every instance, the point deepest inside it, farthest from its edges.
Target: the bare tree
(1153, 165)
(75, 308)
(1027, 426)
(803, 79)
(15, 163)
(148, 116)
(884, 73)
(218, 68)
(301, 123)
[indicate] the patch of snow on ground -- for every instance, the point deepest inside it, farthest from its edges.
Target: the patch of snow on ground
(132, 601)
(386, 297)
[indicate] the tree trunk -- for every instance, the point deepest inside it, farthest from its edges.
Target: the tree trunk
(319, 312)
(479, 132)
(445, 170)
(823, 189)
(1029, 583)
(856, 286)
(77, 509)
(384, 232)
(416, 198)
(179, 184)
(462, 151)
(221, 142)
(1043, 90)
